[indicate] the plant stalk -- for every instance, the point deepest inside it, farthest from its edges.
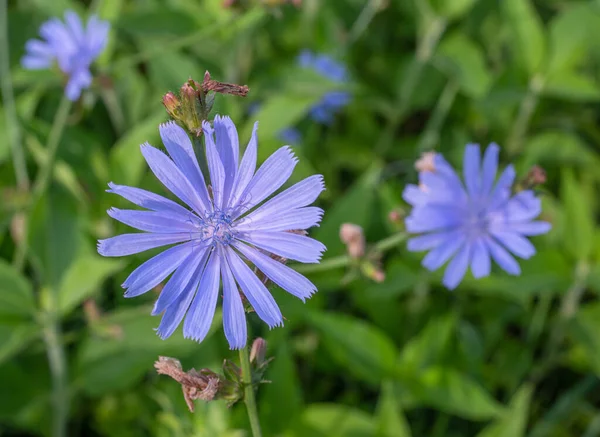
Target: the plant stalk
(249, 398)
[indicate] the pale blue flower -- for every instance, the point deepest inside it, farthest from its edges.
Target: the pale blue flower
(72, 46)
(470, 225)
(331, 102)
(223, 227)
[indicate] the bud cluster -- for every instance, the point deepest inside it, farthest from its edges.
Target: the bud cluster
(196, 100)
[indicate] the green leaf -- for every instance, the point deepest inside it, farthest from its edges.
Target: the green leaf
(560, 148)
(513, 422)
(572, 33)
(527, 32)
(128, 344)
(573, 86)
(390, 420)
(126, 159)
(161, 21)
(16, 293)
(584, 330)
(454, 393)
(579, 218)
(465, 60)
(276, 415)
(363, 349)
(83, 278)
(356, 206)
(16, 337)
(330, 420)
(55, 234)
(452, 9)
(430, 345)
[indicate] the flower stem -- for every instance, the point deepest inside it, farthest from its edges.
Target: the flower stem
(43, 177)
(344, 260)
(432, 131)
(249, 398)
(425, 49)
(58, 371)
(528, 105)
(12, 121)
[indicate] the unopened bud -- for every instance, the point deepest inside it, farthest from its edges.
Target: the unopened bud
(536, 176)
(372, 271)
(258, 351)
(171, 103)
(395, 216)
(17, 227)
(426, 162)
(352, 236)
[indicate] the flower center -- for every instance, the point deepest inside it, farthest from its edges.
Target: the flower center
(477, 221)
(217, 229)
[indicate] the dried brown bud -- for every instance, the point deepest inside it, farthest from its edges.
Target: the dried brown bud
(204, 384)
(258, 351)
(352, 236)
(395, 215)
(426, 162)
(225, 88)
(536, 176)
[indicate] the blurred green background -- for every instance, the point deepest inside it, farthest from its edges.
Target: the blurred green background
(500, 357)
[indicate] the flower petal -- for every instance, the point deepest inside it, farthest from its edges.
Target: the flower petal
(254, 290)
(96, 35)
(287, 278)
(287, 245)
(481, 264)
(180, 149)
(442, 253)
(75, 27)
(156, 269)
(457, 268)
(147, 200)
(270, 176)
(246, 170)
(234, 316)
(301, 218)
(428, 241)
(178, 283)
(171, 177)
(228, 146)
(128, 244)
(530, 228)
(176, 311)
(432, 218)
(502, 257)
(490, 168)
(501, 192)
(471, 169)
(152, 221)
(517, 244)
(215, 166)
(202, 310)
(301, 194)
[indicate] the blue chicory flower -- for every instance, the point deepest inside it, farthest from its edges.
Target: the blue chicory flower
(290, 135)
(226, 226)
(472, 224)
(331, 102)
(72, 46)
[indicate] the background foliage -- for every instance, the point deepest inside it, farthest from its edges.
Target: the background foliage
(500, 357)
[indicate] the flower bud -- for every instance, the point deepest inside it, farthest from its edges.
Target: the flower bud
(426, 162)
(171, 103)
(352, 236)
(258, 351)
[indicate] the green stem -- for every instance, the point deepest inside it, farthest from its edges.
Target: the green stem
(425, 49)
(10, 109)
(43, 177)
(344, 260)
(249, 398)
(432, 131)
(58, 371)
(364, 19)
(526, 109)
